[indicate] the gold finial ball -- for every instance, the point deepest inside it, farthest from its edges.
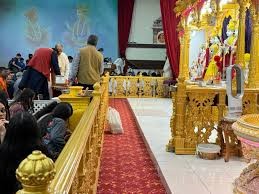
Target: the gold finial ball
(36, 170)
(97, 86)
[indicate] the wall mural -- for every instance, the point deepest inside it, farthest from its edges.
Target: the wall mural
(29, 24)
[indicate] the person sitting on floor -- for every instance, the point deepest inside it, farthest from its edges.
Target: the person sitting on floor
(55, 136)
(23, 103)
(21, 139)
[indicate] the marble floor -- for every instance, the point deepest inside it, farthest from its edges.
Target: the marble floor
(181, 174)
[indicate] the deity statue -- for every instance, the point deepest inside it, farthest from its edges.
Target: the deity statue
(213, 57)
(201, 63)
(215, 40)
(230, 44)
(213, 69)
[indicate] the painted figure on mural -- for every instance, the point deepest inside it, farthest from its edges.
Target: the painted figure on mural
(78, 30)
(35, 33)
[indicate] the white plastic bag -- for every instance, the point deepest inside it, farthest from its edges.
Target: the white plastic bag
(114, 121)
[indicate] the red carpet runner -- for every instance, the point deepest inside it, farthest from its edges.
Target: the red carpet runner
(126, 166)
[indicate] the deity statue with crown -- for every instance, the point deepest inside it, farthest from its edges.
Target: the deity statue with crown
(213, 69)
(230, 44)
(214, 53)
(199, 65)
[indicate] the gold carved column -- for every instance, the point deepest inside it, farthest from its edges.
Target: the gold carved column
(186, 52)
(241, 33)
(179, 106)
(253, 77)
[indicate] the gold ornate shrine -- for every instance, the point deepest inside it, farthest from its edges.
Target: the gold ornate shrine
(197, 110)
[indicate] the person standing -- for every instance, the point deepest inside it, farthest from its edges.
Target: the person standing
(87, 66)
(62, 60)
(120, 64)
(38, 71)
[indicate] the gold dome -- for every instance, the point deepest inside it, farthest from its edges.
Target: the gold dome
(37, 170)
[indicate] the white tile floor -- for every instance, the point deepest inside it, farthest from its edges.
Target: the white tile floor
(182, 174)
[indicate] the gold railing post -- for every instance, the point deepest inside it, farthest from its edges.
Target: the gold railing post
(241, 33)
(178, 117)
(187, 52)
(95, 157)
(35, 173)
(253, 77)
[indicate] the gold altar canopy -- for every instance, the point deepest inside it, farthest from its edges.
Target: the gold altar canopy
(205, 106)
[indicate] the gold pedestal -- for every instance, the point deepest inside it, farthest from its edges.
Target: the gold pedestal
(79, 105)
(247, 130)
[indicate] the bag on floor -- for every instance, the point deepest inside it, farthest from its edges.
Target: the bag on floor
(114, 121)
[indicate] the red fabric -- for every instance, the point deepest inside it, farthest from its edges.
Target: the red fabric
(217, 59)
(227, 59)
(126, 166)
(207, 61)
(41, 61)
(170, 22)
(125, 10)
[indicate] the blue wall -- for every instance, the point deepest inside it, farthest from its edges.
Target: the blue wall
(30, 24)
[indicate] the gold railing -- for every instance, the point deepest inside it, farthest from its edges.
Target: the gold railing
(138, 87)
(77, 167)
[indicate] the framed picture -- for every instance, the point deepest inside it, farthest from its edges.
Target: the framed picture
(158, 34)
(160, 37)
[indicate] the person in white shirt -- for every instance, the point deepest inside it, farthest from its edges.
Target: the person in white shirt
(62, 61)
(167, 69)
(120, 63)
(70, 59)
